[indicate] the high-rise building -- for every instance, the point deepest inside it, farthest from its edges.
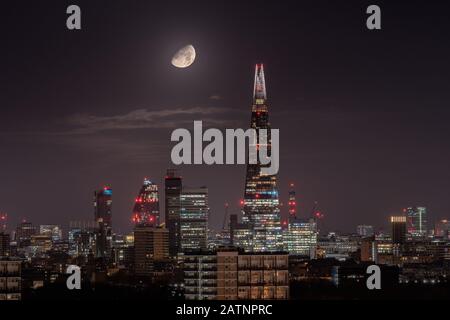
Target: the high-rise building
(146, 207)
(194, 219)
(151, 244)
(103, 218)
(417, 221)
(103, 206)
(4, 244)
(261, 212)
(172, 189)
(398, 229)
(24, 231)
(300, 238)
(364, 231)
(52, 230)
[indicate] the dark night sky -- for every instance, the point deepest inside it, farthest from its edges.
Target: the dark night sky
(363, 115)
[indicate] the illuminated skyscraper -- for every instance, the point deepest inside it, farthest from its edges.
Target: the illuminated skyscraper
(173, 186)
(146, 207)
(261, 211)
(103, 219)
(194, 219)
(417, 221)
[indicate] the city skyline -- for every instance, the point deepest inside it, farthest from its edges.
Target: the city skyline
(363, 128)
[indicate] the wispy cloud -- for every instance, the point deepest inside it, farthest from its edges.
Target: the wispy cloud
(150, 119)
(215, 97)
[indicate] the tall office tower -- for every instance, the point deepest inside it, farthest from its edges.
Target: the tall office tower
(417, 221)
(172, 188)
(300, 238)
(146, 207)
(103, 218)
(364, 231)
(292, 203)
(24, 231)
(4, 244)
(151, 244)
(398, 229)
(261, 212)
(51, 230)
(194, 219)
(442, 228)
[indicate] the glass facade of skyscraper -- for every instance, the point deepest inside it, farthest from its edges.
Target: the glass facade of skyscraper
(194, 219)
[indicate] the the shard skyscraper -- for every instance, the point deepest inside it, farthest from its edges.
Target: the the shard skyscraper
(261, 212)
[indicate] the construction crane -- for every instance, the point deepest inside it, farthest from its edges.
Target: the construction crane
(225, 216)
(3, 221)
(317, 215)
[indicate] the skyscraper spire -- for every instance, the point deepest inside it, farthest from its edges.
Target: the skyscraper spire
(261, 212)
(259, 87)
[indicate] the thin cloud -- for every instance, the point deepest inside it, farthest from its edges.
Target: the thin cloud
(146, 119)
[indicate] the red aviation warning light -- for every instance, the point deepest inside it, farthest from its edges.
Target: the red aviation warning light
(319, 215)
(292, 203)
(3, 221)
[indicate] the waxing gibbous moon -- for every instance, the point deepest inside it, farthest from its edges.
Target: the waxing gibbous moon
(184, 57)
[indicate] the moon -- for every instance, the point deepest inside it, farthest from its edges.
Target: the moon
(184, 57)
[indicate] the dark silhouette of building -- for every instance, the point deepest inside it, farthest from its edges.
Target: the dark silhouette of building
(398, 229)
(24, 231)
(172, 189)
(4, 244)
(103, 219)
(151, 244)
